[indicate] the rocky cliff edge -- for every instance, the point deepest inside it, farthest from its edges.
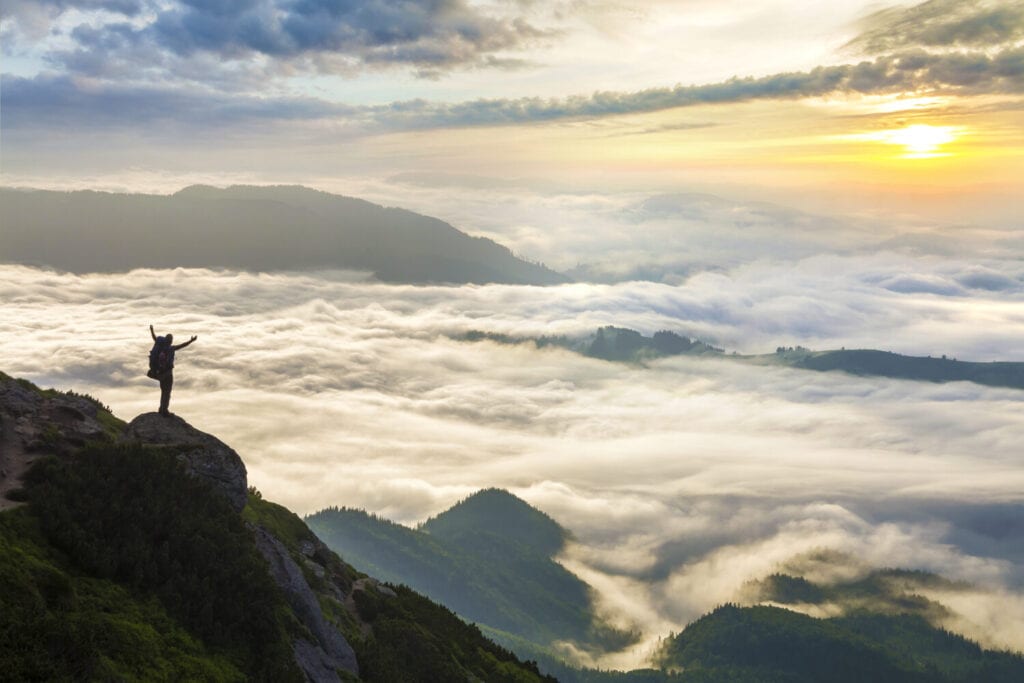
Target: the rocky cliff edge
(202, 454)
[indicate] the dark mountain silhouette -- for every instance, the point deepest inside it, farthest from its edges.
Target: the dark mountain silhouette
(126, 558)
(870, 362)
(248, 228)
(625, 345)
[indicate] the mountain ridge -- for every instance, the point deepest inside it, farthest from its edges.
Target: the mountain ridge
(621, 344)
(249, 227)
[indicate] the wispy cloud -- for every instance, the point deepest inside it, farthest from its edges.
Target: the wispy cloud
(942, 24)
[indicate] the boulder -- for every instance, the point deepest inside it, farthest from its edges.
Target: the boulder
(203, 455)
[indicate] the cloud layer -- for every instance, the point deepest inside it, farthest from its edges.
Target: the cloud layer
(681, 480)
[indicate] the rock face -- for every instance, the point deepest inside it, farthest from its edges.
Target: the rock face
(203, 455)
(48, 421)
(319, 660)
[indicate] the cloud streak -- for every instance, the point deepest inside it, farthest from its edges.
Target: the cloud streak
(64, 101)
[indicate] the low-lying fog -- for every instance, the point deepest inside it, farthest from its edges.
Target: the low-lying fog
(681, 480)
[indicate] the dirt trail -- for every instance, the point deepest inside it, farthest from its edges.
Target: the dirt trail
(14, 462)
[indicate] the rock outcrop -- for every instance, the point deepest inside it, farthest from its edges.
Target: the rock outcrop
(48, 421)
(203, 455)
(36, 422)
(318, 660)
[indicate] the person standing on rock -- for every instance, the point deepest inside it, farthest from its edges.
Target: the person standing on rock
(161, 365)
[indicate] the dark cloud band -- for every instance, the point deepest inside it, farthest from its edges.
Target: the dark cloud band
(63, 101)
(425, 34)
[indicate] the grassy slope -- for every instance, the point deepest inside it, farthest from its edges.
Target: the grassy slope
(58, 623)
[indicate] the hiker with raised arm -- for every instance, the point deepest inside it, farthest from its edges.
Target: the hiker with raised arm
(161, 365)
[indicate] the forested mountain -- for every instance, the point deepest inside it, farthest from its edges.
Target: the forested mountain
(489, 558)
(248, 228)
(765, 644)
(125, 555)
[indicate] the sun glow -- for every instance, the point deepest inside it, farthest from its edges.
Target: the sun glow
(920, 141)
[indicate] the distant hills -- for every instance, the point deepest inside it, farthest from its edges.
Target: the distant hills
(625, 345)
(885, 630)
(248, 228)
(764, 643)
(898, 366)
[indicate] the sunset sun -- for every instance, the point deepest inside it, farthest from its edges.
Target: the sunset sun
(920, 141)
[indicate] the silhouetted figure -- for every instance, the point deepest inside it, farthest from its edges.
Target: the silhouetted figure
(161, 365)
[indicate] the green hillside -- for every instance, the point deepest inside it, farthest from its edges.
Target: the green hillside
(885, 632)
(61, 623)
(765, 644)
(488, 558)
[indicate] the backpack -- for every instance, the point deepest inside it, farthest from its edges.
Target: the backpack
(159, 358)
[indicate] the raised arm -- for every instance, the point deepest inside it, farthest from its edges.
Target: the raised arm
(152, 333)
(181, 346)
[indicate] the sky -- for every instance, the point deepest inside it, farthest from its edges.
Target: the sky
(854, 104)
(752, 174)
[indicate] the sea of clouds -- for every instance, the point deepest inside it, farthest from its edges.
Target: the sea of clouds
(681, 479)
